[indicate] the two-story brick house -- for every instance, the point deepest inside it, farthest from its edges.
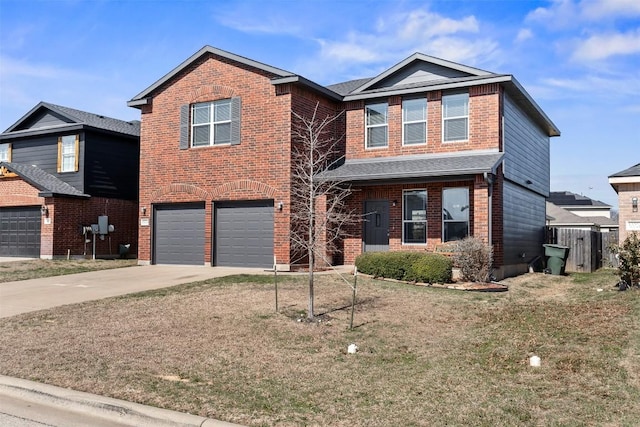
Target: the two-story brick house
(60, 170)
(434, 151)
(626, 183)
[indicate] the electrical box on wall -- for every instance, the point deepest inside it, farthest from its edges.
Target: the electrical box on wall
(103, 224)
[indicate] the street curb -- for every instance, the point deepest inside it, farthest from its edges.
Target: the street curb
(110, 409)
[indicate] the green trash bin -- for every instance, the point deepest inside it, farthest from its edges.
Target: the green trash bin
(557, 258)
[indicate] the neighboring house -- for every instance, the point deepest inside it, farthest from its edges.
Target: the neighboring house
(570, 210)
(627, 184)
(434, 151)
(61, 169)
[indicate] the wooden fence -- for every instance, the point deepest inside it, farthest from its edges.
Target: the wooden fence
(588, 250)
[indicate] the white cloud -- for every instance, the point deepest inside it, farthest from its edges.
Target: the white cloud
(12, 67)
(603, 86)
(569, 13)
(602, 46)
(594, 10)
(524, 34)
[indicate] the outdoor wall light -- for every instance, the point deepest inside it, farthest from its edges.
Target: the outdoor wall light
(144, 210)
(280, 206)
(634, 204)
(44, 210)
(394, 203)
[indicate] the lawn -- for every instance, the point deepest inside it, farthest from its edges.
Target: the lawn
(36, 268)
(425, 356)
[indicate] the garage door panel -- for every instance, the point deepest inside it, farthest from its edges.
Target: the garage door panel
(244, 234)
(179, 234)
(20, 231)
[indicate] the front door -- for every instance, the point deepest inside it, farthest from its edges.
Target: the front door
(376, 226)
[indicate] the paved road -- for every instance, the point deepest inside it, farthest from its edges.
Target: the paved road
(37, 294)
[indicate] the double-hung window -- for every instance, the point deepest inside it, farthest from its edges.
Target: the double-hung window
(455, 117)
(414, 121)
(211, 123)
(414, 216)
(68, 147)
(377, 125)
(5, 152)
(455, 214)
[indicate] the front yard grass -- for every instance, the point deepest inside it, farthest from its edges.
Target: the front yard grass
(37, 268)
(426, 356)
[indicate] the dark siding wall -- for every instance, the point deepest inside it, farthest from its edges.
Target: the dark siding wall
(44, 119)
(42, 151)
(526, 149)
(524, 222)
(112, 164)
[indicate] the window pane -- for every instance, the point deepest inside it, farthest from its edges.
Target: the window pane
(415, 232)
(415, 205)
(201, 114)
(200, 135)
(455, 231)
(455, 129)
(414, 110)
(4, 152)
(376, 114)
(377, 136)
(222, 111)
(415, 133)
(68, 163)
(222, 133)
(455, 105)
(455, 204)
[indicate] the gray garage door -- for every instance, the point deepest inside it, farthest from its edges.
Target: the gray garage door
(20, 231)
(244, 234)
(179, 234)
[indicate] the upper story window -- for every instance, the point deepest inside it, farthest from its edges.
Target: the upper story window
(68, 153)
(414, 216)
(5, 152)
(455, 213)
(455, 117)
(210, 123)
(414, 121)
(377, 125)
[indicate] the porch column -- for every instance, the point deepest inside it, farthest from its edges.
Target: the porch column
(481, 209)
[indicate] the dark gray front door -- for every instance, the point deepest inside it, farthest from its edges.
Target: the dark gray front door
(179, 234)
(244, 234)
(376, 225)
(20, 231)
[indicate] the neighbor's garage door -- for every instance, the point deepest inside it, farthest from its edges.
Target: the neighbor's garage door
(179, 234)
(20, 231)
(244, 234)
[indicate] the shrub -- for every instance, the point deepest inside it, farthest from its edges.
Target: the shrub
(629, 257)
(409, 266)
(474, 258)
(431, 268)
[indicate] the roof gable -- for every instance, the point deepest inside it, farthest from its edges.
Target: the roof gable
(141, 98)
(632, 171)
(420, 68)
(46, 116)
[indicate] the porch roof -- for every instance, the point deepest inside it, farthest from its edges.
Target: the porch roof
(426, 167)
(48, 184)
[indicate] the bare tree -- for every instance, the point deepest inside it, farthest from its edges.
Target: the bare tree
(318, 207)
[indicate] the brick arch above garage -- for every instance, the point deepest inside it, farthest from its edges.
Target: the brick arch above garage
(179, 193)
(244, 189)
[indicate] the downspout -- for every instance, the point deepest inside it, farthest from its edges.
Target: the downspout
(489, 178)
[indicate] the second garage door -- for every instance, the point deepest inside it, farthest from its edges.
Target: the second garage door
(244, 234)
(20, 231)
(179, 234)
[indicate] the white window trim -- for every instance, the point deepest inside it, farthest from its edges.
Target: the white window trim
(467, 116)
(405, 122)
(385, 125)
(211, 123)
(7, 146)
(468, 215)
(426, 221)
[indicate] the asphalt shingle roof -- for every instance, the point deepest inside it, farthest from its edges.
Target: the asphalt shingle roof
(561, 216)
(96, 120)
(567, 198)
(427, 166)
(43, 181)
(632, 171)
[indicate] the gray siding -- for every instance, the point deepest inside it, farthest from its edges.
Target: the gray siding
(111, 168)
(42, 152)
(523, 223)
(44, 119)
(526, 149)
(420, 72)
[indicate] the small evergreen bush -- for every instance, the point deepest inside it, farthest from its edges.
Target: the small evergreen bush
(474, 258)
(629, 257)
(409, 266)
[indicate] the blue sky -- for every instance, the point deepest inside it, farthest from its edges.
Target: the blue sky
(580, 60)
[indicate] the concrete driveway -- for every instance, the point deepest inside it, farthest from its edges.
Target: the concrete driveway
(37, 294)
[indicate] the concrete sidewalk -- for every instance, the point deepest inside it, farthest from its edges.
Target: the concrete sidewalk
(37, 294)
(28, 401)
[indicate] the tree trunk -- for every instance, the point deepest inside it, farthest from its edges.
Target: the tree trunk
(310, 314)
